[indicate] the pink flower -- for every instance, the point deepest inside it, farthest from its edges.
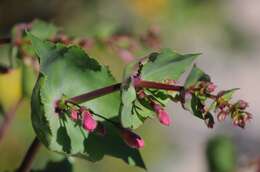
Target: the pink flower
(162, 115)
(132, 139)
(89, 123)
(74, 115)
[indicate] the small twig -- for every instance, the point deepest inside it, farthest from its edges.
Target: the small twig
(29, 156)
(8, 118)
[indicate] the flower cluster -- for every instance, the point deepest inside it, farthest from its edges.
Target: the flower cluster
(221, 103)
(236, 111)
(201, 92)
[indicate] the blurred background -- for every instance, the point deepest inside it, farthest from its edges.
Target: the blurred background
(226, 32)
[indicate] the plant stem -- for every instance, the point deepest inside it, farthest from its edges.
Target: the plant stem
(96, 93)
(5, 40)
(29, 156)
(156, 85)
(8, 118)
(116, 87)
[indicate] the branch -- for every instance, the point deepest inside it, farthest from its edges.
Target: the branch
(30, 155)
(116, 87)
(96, 93)
(5, 40)
(156, 85)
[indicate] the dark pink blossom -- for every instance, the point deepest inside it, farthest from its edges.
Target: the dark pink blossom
(162, 115)
(89, 123)
(132, 139)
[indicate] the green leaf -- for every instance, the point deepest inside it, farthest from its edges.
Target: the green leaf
(157, 67)
(196, 106)
(133, 112)
(40, 29)
(69, 71)
(227, 94)
(195, 75)
(221, 154)
(166, 65)
(43, 30)
(28, 80)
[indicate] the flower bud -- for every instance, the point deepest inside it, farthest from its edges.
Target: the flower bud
(239, 121)
(74, 115)
(222, 116)
(247, 116)
(132, 139)
(211, 87)
(242, 104)
(141, 94)
(162, 115)
(89, 123)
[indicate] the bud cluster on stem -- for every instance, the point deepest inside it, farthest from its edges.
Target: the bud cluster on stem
(203, 90)
(85, 116)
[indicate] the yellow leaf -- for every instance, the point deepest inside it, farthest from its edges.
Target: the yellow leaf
(10, 88)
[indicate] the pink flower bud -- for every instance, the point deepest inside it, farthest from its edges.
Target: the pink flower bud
(222, 116)
(242, 104)
(211, 87)
(74, 115)
(132, 139)
(247, 116)
(162, 115)
(141, 94)
(239, 121)
(89, 123)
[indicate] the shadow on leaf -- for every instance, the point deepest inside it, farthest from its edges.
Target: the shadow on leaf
(64, 166)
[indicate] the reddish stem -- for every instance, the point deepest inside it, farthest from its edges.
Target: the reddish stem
(116, 87)
(29, 156)
(156, 85)
(96, 93)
